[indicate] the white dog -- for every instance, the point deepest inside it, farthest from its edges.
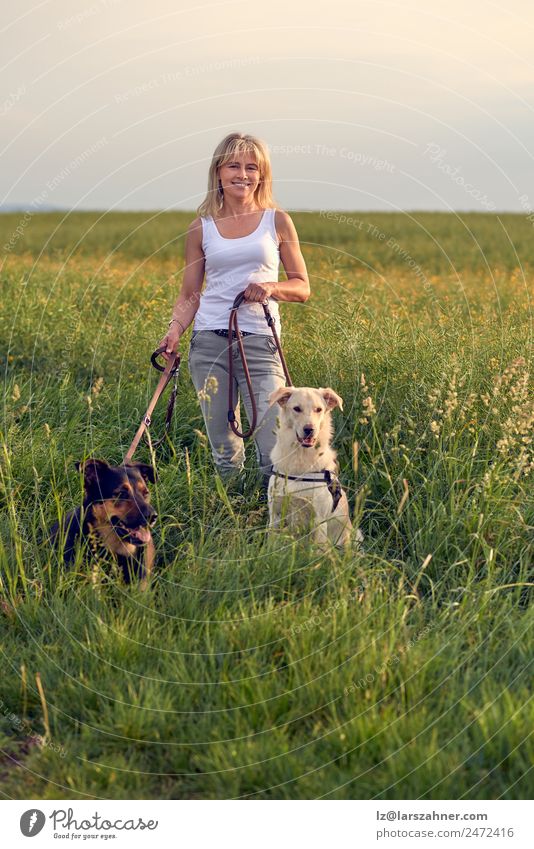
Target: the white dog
(304, 489)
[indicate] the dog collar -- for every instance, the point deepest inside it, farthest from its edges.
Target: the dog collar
(324, 476)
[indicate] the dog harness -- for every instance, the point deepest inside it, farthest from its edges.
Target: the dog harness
(324, 476)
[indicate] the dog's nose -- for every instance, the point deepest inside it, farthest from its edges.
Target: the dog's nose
(152, 519)
(307, 430)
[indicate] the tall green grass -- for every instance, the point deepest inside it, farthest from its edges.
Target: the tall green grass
(256, 666)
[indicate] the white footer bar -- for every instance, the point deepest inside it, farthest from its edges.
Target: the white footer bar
(268, 824)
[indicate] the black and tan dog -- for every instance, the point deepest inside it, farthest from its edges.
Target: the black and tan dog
(115, 517)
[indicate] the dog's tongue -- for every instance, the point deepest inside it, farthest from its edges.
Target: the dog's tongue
(141, 534)
(307, 440)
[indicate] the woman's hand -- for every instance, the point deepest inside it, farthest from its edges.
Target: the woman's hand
(170, 340)
(259, 292)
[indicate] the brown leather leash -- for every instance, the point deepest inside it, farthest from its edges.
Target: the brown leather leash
(170, 370)
(233, 328)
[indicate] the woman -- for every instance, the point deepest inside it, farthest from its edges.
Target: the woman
(237, 242)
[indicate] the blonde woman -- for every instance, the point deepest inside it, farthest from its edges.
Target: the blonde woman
(236, 243)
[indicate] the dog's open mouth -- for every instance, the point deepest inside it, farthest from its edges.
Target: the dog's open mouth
(307, 441)
(136, 536)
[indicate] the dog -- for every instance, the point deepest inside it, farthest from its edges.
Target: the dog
(304, 488)
(115, 517)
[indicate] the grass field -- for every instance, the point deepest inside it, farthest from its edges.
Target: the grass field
(256, 667)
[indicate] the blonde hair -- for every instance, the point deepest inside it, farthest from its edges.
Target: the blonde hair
(232, 145)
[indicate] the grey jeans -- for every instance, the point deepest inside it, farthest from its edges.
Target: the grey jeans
(208, 366)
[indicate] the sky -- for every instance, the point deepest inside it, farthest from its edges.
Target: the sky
(118, 104)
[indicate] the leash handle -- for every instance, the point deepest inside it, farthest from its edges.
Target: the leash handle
(238, 300)
(234, 326)
(272, 324)
(159, 366)
(170, 370)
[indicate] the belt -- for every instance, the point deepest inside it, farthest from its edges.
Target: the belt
(225, 333)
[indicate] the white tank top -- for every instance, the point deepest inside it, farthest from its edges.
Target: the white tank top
(231, 264)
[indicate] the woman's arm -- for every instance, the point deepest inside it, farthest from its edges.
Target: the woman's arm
(189, 298)
(297, 285)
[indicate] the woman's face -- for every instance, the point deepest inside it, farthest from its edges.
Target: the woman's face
(240, 177)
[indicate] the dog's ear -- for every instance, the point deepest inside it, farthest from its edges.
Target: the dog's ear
(147, 472)
(92, 470)
(332, 399)
(280, 396)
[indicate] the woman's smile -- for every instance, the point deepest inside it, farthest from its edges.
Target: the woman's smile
(240, 175)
